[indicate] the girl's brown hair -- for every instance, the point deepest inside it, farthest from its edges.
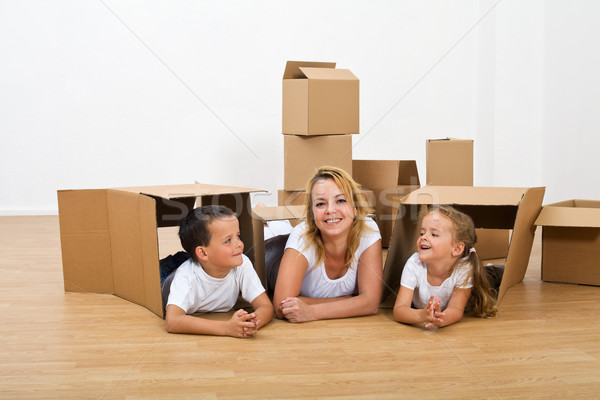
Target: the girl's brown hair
(482, 302)
(355, 198)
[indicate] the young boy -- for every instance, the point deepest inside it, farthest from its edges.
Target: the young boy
(211, 280)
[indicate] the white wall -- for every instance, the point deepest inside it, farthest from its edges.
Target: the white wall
(124, 93)
(571, 123)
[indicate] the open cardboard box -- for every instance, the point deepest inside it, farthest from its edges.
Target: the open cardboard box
(319, 99)
(262, 215)
(489, 207)
(304, 154)
(109, 237)
(571, 242)
(389, 180)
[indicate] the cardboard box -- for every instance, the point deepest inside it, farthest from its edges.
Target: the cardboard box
(261, 215)
(319, 99)
(489, 207)
(571, 242)
(450, 163)
(390, 180)
(304, 154)
(290, 197)
(109, 237)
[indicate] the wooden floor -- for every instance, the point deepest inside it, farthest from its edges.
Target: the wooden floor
(545, 343)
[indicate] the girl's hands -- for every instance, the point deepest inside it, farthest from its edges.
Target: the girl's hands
(295, 310)
(433, 314)
(242, 324)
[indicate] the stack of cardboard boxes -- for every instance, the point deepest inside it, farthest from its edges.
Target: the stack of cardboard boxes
(319, 116)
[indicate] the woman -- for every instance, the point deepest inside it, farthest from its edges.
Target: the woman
(332, 265)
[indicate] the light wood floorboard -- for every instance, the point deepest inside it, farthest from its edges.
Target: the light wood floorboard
(545, 343)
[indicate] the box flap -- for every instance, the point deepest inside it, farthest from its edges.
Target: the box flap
(573, 213)
(328, 74)
(292, 68)
(85, 241)
(278, 213)
(521, 241)
(466, 195)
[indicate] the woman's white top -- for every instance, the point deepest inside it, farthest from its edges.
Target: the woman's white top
(414, 277)
(316, 283)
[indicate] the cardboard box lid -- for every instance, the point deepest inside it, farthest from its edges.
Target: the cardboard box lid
(278, 212)
(385, 174)
(571, 213)
(450, 139)
(466, 195)
(328, 74)
(187, 190)
(292, 68)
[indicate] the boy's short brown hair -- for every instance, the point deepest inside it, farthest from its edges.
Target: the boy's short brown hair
(193, 230)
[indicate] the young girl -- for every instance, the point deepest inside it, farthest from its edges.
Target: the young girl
(445, 274)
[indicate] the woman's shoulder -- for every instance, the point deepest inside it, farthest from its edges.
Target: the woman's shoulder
(371, 224)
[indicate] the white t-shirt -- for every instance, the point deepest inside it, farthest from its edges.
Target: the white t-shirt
(316, 283)
(193, 290)
(414, 277)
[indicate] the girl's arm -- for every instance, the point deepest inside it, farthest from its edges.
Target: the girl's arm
(456, 307)
(177, 321)
(369, 276)
(405, 313)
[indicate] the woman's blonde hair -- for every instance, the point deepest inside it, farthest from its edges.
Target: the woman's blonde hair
(356, 199)
(482, 302)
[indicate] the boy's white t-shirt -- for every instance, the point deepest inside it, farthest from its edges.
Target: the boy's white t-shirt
(414, 277)
(194, 291)
(316, 283)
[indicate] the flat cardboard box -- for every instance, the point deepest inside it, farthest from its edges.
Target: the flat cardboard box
(390, 180)
(450, 163)
(109, 237)
(571, 242)
(319, 99)
(261, 215)
(489, 207)
(303, 155)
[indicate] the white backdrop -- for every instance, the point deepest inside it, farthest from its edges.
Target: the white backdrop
(97, 94)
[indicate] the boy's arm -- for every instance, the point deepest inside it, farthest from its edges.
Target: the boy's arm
(263, 309)
(177, 321)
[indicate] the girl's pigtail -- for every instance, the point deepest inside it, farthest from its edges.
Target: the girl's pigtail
(482, 301)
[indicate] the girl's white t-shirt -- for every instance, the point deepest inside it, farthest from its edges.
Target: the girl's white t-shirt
(316, 283)
(194, 291)
(414, 277)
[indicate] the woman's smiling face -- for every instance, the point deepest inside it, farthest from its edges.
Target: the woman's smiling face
(333, 213)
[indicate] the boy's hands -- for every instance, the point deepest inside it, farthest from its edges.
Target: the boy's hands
(433, 315)
(242, 324)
